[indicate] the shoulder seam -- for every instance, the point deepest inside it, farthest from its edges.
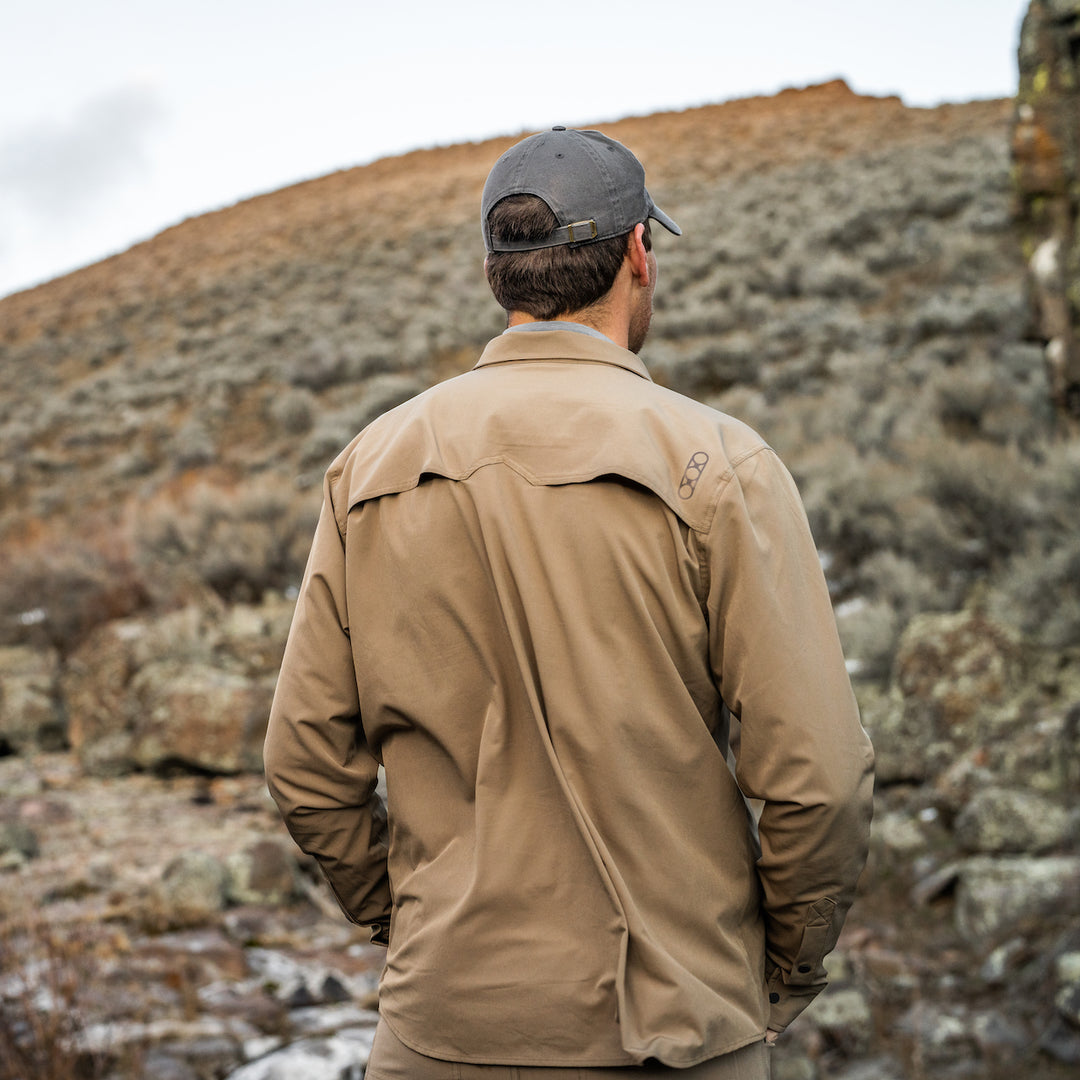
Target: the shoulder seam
(726, 477)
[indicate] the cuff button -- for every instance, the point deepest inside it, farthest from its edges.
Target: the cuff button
(774, 999)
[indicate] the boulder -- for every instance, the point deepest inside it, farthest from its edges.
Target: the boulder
(1061, 1041)
(253, 635)
(169, 1048)
(94, 686)
(263, 873)
(1067, 1001)
(191, 688)
(192, 889)
(954, 680)
(995, 895)
(953, 666)
(997, 1034)
(939, 1034)
(317, 994)
(30, 714)
(904, 747)
(197, 716)
(898, 835)
(338, 1057)
(845, 1018)
(1067, 967)
(18, 844)
(1003, 820)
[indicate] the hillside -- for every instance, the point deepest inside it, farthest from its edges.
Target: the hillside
(849, 282)
(830, 239)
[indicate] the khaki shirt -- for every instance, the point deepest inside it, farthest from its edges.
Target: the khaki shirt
(532, 592)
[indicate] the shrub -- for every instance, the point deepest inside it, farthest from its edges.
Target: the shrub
(964, 395)
(980, 400)
(856, 505)
(293, 410)
(985, 492)
(898, 581)
(193, 444)
(1039, 588)
(237, 539)
(869, 633)
(56, 585)
(44, 978)
(336, 428)
(318, 367)
(1039, 593)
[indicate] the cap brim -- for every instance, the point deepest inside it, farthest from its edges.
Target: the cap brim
(658, 215)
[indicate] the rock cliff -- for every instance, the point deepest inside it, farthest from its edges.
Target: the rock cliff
(1046, 154)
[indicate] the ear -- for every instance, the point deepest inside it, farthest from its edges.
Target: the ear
(638, 256)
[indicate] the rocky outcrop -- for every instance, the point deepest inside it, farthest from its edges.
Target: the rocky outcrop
(191, 689)
(983, 869)
(165, 927)
(1046, 153)
(970, 708)
(961, 949)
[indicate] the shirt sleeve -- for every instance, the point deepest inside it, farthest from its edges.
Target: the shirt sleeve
(777, 659)
(319, 769)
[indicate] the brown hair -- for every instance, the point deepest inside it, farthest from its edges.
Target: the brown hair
(548, 282)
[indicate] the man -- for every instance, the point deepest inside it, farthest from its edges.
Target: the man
(536, 594)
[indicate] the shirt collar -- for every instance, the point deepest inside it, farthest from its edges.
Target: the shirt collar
(560, 346)
(556, 324)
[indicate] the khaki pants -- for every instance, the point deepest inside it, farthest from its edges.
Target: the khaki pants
(391, 1059)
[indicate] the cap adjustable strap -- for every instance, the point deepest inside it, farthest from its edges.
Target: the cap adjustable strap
(583, 226)
(576, 233)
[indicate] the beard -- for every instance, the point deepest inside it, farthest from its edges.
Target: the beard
(640, 321)
(641, 316)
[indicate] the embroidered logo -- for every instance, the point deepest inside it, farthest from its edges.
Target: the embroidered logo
(692, 474)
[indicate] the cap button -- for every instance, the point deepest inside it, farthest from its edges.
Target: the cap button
(558, 127)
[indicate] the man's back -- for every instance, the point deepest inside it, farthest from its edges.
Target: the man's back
(531, 638)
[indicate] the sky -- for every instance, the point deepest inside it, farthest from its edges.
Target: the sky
(120, 118)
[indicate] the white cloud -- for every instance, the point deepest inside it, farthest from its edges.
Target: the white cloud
(58, 169)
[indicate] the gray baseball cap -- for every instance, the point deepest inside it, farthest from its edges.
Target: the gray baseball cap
(593, 185)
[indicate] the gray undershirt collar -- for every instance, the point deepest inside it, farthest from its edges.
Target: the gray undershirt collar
(558, 324)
